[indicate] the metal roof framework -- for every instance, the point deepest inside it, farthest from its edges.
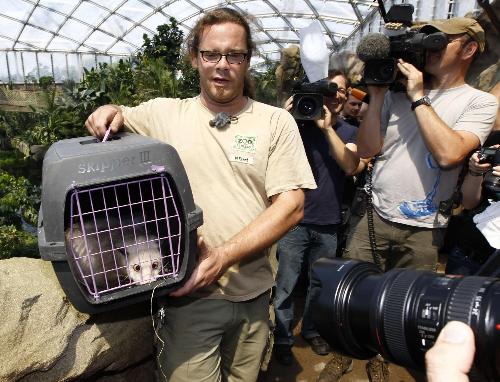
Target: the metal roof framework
(38, 36)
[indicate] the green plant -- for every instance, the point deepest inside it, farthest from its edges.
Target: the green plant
(165, 45)
(189, 79)
(266, 87)
(110, 83)
(46, 81)
(18, 198)
(154, 79)
(17, 243)
(13, 162)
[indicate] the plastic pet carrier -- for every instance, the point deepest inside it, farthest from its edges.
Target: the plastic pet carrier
(117, 220)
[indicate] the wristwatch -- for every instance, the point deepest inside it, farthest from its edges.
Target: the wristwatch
(422, 101)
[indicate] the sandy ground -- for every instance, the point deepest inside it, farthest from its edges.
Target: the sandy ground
(308, 365)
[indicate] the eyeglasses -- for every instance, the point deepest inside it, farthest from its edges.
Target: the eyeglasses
(342, 91)
(215, 57)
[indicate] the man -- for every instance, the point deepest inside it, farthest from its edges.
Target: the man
(422, 140)
(352, 107)
(330, 149)
(247, 173)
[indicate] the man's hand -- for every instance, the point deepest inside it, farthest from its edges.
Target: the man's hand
(325, 122)
(475, 166)
(104, 117)
(288, 104)
(451, 357)
(414, 80)
(211, 266)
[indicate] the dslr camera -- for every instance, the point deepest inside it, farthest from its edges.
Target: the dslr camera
(308, 98)
(410, 46)
(491, 183)
(362, 312)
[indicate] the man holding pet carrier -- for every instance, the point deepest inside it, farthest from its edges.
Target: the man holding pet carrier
(247, 168)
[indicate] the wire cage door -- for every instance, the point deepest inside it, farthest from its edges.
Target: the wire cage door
(124, 234)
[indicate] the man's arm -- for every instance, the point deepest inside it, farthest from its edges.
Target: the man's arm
(369, 139)
(286, 211)
(345, 155)
(448, 147)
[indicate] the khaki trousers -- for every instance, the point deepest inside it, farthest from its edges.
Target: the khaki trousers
(399, 245)
(213, 340)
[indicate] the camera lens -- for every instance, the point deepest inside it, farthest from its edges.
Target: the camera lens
(385, 73)
(307, 106)
(362, 312)
(491, 183)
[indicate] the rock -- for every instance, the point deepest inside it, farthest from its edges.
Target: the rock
(43, 338)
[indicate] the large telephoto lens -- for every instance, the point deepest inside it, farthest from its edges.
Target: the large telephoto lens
(362, 312)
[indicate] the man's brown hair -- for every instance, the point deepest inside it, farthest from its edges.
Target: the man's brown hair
(214, 17)
(220, 16)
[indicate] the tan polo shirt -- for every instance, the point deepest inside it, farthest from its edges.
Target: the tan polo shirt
(233, 172)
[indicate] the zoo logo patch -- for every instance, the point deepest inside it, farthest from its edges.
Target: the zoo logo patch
(245, 143)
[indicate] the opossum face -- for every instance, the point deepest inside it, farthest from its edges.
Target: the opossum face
(144, 264)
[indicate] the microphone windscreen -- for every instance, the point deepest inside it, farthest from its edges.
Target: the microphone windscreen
(374, 46)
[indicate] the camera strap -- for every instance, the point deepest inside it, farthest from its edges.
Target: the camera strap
(377, 259)
(447, 207)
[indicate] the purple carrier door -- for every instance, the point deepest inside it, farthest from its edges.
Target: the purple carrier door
(124, 234)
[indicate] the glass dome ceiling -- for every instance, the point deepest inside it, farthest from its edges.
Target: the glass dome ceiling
(44, 33)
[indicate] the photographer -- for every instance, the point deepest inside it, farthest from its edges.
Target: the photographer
(420, 141)
(466, 246)
(331, 152)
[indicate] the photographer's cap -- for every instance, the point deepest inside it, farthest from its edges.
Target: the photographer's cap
(457, 25)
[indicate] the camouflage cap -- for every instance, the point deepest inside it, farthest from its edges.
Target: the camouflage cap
(457, 25)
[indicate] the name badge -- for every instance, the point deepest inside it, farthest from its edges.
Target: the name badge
(241, 158)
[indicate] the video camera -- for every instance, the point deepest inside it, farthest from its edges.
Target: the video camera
(491, 183)
(362, 312)
(308, 98)
(411, 46)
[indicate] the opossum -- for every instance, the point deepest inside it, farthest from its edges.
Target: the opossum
(112, 256)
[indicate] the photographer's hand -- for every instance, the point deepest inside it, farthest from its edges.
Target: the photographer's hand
(496, 170)
(288, 104)
(472, 184)
(451, 357)
(475, 167)
(327, 121)
(414, 80)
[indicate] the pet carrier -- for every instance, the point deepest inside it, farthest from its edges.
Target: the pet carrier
(117, 219)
